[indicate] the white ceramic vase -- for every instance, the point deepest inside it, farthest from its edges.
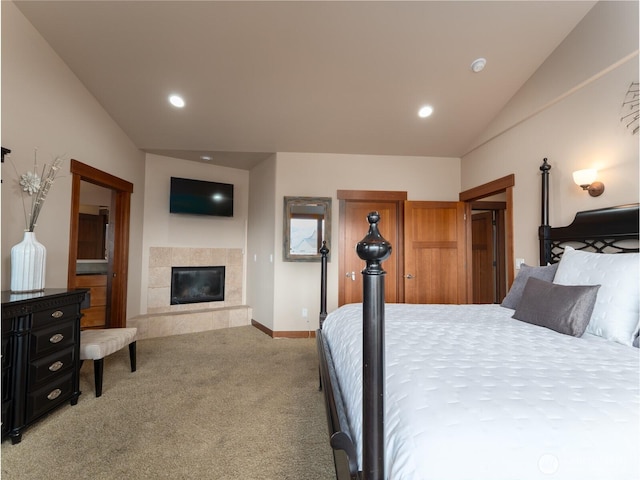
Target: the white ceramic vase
(28, 261)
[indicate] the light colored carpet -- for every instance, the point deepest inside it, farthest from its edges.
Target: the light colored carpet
(224, 404)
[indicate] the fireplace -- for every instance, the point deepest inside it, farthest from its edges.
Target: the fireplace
(197, 284)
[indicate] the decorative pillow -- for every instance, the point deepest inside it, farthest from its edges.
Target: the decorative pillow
(565, 309)
(546, 273)
(616, 315)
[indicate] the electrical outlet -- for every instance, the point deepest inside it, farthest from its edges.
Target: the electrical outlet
(519, 262)
(305, 313)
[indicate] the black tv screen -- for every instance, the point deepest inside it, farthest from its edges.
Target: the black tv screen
(199, 197)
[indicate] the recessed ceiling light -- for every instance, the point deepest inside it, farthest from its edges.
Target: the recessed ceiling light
(176, 101)
(206, 158)
(425, 111)
(478, 65)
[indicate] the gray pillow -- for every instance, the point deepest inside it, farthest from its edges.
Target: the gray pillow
(515, 292)
(564, 308)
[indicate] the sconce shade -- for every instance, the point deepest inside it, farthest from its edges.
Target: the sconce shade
(584, 178)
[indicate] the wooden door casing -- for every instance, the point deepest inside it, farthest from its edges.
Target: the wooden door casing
(435, 252)
(501, 257)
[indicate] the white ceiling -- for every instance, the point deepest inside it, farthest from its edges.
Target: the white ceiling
(303, 76)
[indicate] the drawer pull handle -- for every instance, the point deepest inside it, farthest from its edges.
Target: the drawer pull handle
(55, 366)
(57, 338)
(54, 394)
(57, 314)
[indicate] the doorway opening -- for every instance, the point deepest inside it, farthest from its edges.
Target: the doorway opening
(109, 241)
(488, 242)
(498, 200)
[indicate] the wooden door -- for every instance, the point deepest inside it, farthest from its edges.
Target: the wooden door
(353, 228)
(91, 236)
(483, 258)
(435, 252)
(488, 253)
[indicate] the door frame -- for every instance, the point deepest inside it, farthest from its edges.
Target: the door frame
(119, 262)
(500, 185)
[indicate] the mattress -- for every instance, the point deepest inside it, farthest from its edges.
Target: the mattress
(473, 394)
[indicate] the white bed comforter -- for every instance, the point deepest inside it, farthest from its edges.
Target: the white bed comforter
(473, 394)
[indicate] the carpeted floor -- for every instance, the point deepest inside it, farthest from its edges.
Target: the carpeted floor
(224, 404)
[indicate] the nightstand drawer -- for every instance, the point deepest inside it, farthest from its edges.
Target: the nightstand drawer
(49, 396)
(47, 368)
(41, 319)
(49, 340)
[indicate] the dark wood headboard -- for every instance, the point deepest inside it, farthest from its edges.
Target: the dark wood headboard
(605, 230)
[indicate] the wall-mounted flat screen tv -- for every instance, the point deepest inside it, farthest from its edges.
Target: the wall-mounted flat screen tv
(198, 197)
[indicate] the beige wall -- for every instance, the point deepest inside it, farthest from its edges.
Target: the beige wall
(164, 229)
(44, 105)
(261, 241)
(569, 111)
(321, 175)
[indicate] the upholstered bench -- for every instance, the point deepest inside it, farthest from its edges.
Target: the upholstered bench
(97, 344)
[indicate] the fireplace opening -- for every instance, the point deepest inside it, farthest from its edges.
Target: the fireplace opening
(197, 284)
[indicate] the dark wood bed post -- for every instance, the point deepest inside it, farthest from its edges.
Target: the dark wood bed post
(544, 231)
(324, 251)
(373, 249)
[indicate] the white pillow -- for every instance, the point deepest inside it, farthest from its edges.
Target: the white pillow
(616, 315)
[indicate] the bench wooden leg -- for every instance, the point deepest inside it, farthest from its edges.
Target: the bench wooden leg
(132, 355)
(98, 369)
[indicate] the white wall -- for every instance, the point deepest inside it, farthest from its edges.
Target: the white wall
(321, 175)
(44, 105)
(164, 229)
(569, 111)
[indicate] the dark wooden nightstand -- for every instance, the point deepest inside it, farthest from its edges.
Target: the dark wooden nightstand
(40, 355)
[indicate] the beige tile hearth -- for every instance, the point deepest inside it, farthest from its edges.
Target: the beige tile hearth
(177, 323)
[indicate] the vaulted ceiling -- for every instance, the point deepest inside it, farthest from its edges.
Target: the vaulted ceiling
(303, 76)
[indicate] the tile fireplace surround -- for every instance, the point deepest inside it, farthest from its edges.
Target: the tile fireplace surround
(163, 319)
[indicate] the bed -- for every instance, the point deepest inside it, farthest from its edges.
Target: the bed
(468, 392)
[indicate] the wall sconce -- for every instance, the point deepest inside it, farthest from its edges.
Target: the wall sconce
(586, 180)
